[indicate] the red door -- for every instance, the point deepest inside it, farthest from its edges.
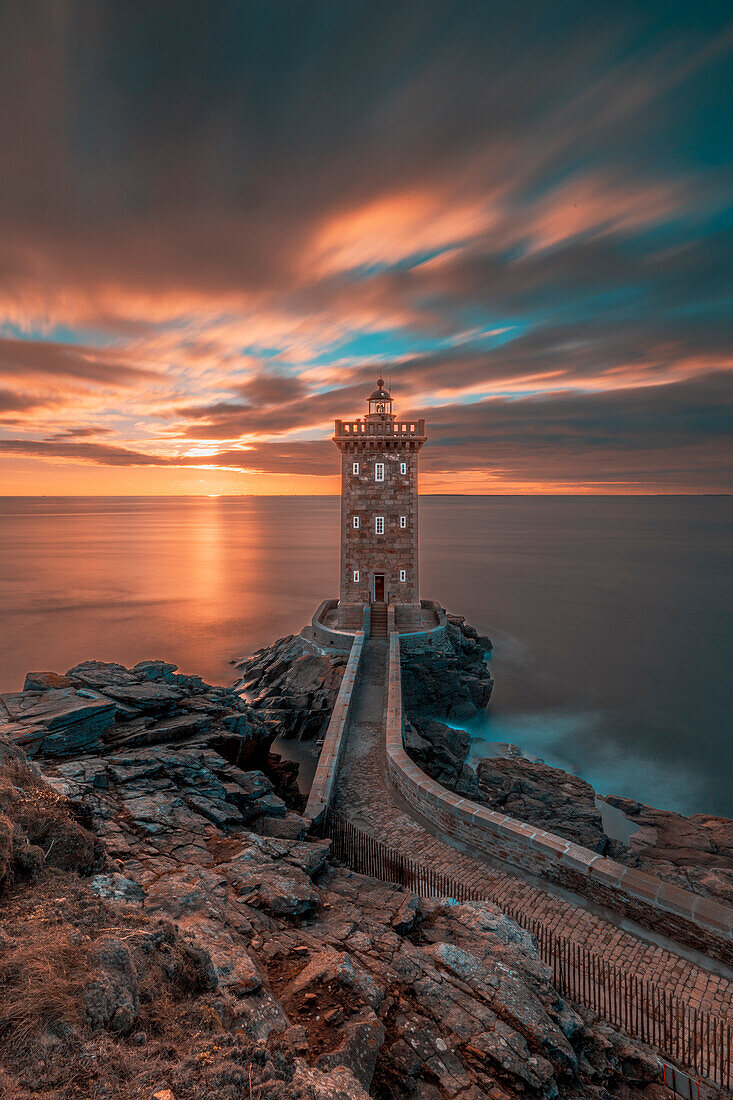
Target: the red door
(379, 587)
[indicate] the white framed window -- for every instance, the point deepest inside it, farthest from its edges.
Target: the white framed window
(356, 576)
(355, 521)
(403, 521)
(403, 574)
(379, 525)
(403, 467)
(379, 471)
(355, 468)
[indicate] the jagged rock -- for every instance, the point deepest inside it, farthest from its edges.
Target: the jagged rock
(533, 792)
(287, 892)
(338, 1084)
(272, 806)
(152, 698)
(58, 722)
(289, 827)
(45, 681)
(338, 967)
(441, 751)
(154, 670)
(293, 685)
(407, 915)
(283, 987)
(361, 1041)
(455, 683)
(116, 887)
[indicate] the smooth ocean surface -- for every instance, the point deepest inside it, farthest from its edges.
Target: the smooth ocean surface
(610, 616)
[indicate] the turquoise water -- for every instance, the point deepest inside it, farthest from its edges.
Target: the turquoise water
(610, 616)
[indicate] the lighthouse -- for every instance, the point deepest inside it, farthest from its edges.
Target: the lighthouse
(379, 531)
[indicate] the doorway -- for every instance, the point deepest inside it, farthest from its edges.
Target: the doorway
(379, 587)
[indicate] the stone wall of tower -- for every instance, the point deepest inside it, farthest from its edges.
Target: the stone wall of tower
(362, 549)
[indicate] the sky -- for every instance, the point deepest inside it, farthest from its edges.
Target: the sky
(219, 223)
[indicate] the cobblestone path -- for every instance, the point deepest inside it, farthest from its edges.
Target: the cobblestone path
(364, 795)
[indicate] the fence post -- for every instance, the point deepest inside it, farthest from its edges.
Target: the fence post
(644, 1010)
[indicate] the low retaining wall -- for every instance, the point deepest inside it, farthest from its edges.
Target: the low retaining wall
(328, 636)
(678, 914)
(419, 640)
(321, 790)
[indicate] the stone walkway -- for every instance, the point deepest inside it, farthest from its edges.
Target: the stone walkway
(366, 798)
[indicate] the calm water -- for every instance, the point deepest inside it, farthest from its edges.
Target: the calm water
(610, 616)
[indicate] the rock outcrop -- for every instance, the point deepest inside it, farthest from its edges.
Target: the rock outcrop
(548, 797)
(102, 707)
(159, 940)
(695, 853)
(441, 751)
(455, 683)
(292, 686)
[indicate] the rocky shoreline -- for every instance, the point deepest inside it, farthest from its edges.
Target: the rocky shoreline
(170, 930)
(695, 853)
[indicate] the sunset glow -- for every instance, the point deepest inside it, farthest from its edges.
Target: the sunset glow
(200, 271)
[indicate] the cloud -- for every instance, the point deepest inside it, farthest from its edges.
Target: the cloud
(79, 433)
(219, 231)
(12, 402)
(39, 357)
(661, 435)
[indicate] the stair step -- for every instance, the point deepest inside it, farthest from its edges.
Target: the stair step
(378, 622)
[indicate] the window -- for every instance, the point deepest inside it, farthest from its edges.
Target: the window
(379, 471)
(356, 576)
(356, 522)
(403, 521)
(379, 525)
(355, 468)
(403, 467)
(403, 574)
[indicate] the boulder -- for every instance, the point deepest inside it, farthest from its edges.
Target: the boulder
(45, 681)
(361, 1041)
(540, 795)
(336, 1084)
(57, 722)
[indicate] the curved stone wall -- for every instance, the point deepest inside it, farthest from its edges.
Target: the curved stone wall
(330, 636)
(418, 640)
(688, 918)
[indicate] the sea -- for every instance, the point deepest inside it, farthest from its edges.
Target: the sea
(610, 616)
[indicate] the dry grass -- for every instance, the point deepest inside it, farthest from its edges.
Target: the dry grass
(40, 985)
(44, 819)
(60, 944)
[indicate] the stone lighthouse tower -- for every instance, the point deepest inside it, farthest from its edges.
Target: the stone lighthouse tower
(379, 554)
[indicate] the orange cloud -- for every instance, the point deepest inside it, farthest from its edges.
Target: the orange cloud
(592, 204)
(393, 227)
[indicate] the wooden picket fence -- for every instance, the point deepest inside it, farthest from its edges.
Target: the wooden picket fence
(696, 1040)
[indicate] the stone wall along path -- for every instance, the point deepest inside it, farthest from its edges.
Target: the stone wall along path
(365, 796)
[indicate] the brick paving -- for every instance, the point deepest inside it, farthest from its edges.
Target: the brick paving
(364, 795)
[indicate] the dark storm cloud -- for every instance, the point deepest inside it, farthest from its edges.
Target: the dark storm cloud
(593, 354)
(667, 434)
(99, 453)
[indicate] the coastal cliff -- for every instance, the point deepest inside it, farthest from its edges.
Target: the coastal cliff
(170, 930)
